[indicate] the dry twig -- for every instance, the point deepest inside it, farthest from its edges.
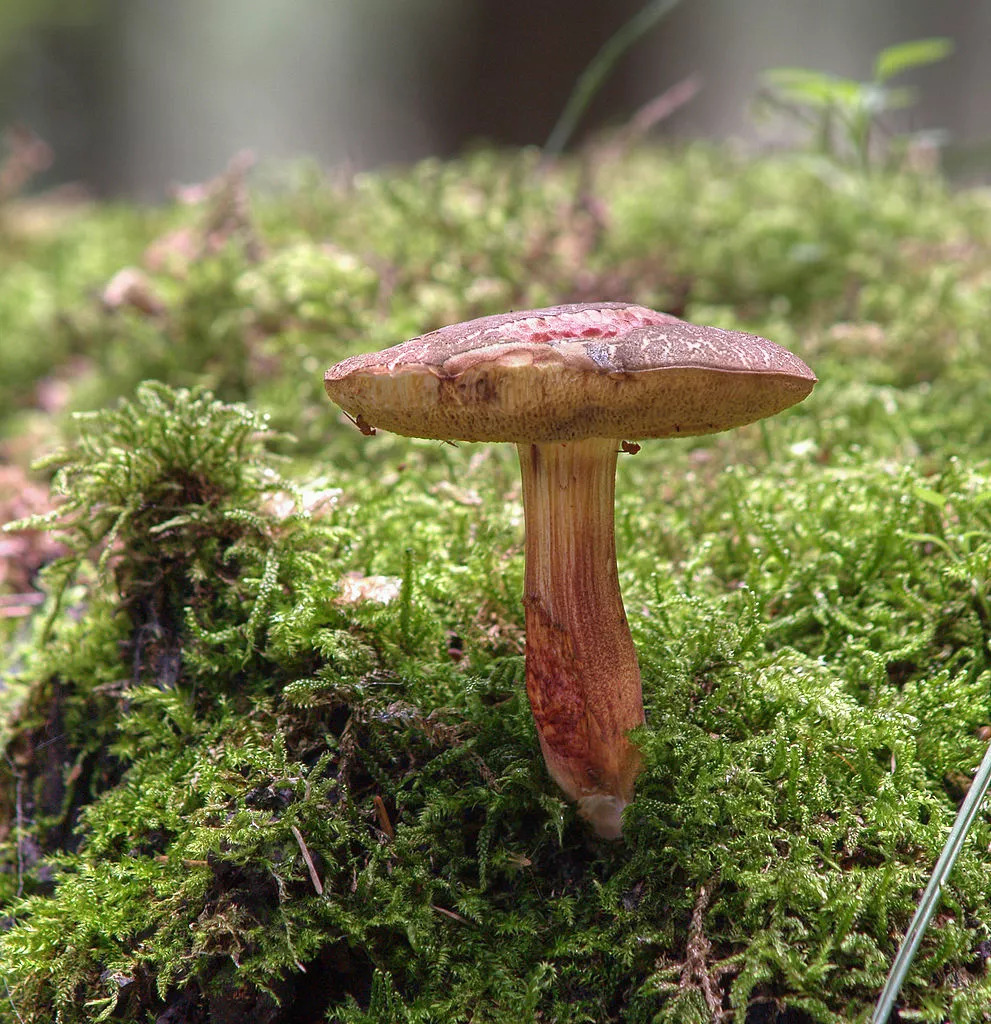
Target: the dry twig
(696, 972)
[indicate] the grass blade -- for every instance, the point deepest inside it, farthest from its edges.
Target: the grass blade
(591, 79)
(934, 891)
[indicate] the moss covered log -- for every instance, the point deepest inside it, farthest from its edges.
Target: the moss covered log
(268, 754)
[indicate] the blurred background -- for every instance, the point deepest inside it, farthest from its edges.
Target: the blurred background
(135, 96)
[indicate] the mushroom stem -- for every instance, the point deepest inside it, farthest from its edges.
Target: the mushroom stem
(582, 675)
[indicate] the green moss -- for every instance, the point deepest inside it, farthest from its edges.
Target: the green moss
(232, 791)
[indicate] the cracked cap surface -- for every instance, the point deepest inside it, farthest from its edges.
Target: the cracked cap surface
(566, 373)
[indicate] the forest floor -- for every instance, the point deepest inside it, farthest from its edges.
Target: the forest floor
(267, 744)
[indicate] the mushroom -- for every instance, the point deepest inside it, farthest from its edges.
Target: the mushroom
(567, 385)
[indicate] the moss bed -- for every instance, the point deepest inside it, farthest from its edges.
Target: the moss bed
(267, 752)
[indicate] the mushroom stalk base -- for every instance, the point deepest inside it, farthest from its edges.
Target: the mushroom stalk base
(582, 675)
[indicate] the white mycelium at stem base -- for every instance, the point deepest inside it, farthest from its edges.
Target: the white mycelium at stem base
(582, 675)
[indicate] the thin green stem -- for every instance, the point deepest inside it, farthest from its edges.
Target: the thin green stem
(934, 891)
(591, 79)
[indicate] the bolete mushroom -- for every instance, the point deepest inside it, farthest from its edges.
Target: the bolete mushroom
(568, 385)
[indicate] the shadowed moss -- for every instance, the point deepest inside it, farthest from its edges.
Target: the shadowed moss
(234, 791)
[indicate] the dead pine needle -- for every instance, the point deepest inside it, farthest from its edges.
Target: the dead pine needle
(449, 913)
(308, 860)
(383, 816)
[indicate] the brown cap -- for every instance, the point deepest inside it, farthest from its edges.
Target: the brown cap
(605, 369)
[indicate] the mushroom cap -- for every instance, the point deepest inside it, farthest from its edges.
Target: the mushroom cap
(566, 373)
